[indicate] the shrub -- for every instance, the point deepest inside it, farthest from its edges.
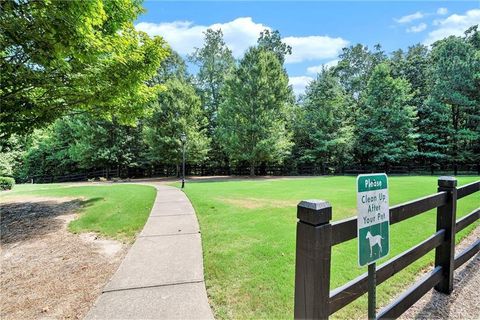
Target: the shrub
(6, 183)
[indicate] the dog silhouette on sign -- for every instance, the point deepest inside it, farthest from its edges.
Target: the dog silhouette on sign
(373, 240)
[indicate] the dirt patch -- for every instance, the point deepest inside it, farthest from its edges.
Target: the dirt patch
(255, 203)
(48, 272)
(462, 303)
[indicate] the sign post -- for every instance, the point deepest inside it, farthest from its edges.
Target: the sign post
(372, 294)
(373, 227)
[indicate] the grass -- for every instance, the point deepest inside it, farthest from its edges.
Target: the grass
(114, 211)
(248, 237)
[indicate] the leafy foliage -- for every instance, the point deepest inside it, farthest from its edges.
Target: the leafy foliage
(178, 110)
(272, 41)
(82, 89)
(355, 67)
(6, 183)
(12, 152)
(323, 132)
(252, 120)
(216, 64)
(385, 132)
(83, 142)
(63, 57)
(454, 96)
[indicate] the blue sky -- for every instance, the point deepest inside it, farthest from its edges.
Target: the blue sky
(317, 31)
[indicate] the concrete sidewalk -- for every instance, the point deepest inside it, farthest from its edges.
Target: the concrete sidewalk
(162, 275)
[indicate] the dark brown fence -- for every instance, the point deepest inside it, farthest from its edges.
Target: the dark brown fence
(169, 170)
(316, 236)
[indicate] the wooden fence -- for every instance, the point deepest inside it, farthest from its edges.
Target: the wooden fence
(316, 236)
(166, 170)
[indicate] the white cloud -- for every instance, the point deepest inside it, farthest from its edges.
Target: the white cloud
(239, 34)
(299, 83)
(411, 17)
(418, 28)
(442, 11)
(454, 24)
(184, 36)
(318, 69)
(313, 48)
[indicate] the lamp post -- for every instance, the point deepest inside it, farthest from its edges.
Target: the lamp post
(183, 138)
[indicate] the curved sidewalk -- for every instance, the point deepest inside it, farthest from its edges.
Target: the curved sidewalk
(161, 276)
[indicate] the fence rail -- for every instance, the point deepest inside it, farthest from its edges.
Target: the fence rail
(316, 236)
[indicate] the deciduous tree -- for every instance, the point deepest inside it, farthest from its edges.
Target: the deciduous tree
(272, 41)
(177, 110)
(64, 57)
(385, 126)
(324, 133)
(216, 63)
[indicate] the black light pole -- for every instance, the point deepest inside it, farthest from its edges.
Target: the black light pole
(183, 138)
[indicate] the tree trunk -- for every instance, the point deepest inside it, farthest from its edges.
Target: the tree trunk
(252, 169)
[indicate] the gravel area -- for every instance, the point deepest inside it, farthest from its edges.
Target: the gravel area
(463, 302)
(46, 271)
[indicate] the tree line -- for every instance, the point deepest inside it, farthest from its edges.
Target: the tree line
(125, 99)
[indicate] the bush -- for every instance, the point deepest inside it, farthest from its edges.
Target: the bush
(6, 183)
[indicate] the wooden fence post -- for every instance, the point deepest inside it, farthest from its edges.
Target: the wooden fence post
(313, 257)
(446, 215)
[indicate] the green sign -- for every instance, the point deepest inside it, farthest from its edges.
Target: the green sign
(373, 217)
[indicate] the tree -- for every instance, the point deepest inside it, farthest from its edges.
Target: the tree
(384, 129)
(48, 153)
(454, 85)
(273, 41)
(413, 66)
(177, 110)
(252, 120)
(171, 67)
(67, 57)
(324, 133)
(355, 67)
(216, 63)
(101, 143)
(11, 154)
(82, 142)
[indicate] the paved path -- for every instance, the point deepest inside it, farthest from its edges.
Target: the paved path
(162, 275)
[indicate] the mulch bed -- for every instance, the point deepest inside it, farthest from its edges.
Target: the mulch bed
(46, 271)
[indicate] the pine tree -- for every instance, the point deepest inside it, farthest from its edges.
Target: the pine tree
(252, 120)
(453, 85)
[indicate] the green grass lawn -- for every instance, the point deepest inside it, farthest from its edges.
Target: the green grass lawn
(248, 236)
(115, 211)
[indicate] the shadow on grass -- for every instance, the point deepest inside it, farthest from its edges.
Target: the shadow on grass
(28, 220)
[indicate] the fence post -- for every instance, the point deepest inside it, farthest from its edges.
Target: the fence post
(313, 256)
(446, 215)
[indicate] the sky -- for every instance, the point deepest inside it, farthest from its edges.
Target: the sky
(316, 30)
